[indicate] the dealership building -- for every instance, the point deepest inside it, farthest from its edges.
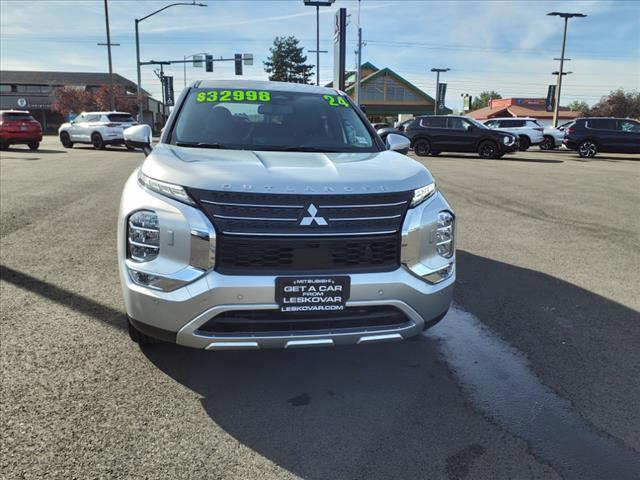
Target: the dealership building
(522, 107)
(30, 90)
(386, 95)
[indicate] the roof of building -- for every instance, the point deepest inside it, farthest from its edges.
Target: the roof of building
(390, 72)
(28, 77)
(535, 111)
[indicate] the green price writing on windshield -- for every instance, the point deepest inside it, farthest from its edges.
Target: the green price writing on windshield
(336, 101)
(233, 96)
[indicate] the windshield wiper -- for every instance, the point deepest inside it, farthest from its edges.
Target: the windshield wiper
(200, 145)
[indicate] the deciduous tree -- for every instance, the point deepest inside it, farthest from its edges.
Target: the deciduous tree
(287, 62)
(618, 104)
(124, 102)
(482, 100)
(579, 106)
(71, 99)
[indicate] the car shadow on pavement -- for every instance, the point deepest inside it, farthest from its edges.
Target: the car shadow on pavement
(87, 306)
(32, 152)
(394, 410)
(502, 159)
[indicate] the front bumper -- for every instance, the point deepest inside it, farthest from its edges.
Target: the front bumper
(201, 294)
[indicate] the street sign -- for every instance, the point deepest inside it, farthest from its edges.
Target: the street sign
(467, 103)
(550, 101)
(339, 48)
(209, 63)
(197, 61)
(248, 58)
(238, 59)
(169, 98)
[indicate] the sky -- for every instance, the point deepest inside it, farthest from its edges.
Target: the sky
(506, 46)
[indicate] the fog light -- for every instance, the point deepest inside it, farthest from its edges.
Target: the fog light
(439, 275)
(444, 234)
(144, 279)
(143, 236)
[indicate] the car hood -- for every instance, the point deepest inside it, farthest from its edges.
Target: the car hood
(500, 133)
(285, 172)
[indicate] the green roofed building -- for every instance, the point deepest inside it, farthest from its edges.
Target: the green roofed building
(386, 95)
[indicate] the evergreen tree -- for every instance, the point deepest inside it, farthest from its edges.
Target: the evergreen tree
(287, 62)
(482, 100)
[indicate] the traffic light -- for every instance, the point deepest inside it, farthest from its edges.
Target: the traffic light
(238, 60)
(208, 60)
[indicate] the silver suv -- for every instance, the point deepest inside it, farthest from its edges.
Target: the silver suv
(528, 130)
(96, 128)
(271, 215)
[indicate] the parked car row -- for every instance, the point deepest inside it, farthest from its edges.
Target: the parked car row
(19, 127)
(431, 135)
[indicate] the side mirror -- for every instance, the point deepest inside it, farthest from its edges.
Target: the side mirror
(138, 137)
(72, 122)
(398, 143)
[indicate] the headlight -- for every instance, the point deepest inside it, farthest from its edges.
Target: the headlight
(143, 236)
(507, 140)
(444, 234)
(168, 189)
(422, 193)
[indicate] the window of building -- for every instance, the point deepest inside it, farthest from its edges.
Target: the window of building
(5, 88)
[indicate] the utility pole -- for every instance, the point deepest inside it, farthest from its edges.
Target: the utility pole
(438, 70)
(112, 96)
(359, 58)
(566, 17)
(318, 4)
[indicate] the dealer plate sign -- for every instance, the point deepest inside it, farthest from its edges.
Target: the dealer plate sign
(312, 294)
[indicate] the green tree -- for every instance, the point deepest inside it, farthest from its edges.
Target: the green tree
(287, 61)
(579, 106)
(482, 100)
(618, 104)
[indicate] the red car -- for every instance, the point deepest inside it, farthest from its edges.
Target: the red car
(18, 126)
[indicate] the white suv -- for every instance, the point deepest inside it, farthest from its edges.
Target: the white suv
(528, 130)
(97, 128)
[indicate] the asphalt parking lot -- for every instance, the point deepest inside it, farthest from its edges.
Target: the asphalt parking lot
(533, 374)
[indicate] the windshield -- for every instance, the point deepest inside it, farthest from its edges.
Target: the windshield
(477, 123)
(270, 120)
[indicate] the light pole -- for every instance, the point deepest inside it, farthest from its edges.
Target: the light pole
(138, 20)
(438, 70)
(318, 4)
(566, 17)
(185, 64)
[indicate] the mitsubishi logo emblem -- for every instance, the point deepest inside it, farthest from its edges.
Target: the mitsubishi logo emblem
(312, 210)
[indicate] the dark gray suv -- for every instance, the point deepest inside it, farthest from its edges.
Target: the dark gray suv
(436, 134)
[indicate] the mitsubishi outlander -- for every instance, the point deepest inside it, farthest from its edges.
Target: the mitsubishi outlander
(271, 215)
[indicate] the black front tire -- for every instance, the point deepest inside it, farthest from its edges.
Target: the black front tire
(525, 143)
(488, 149)
(33, 145)
(97, 142)
(65, 139)
(422, 147)
(139, 337)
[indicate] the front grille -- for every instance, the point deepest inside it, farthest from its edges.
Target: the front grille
(302, 255)
(264, 234)
(275, 322)
(303, 215)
